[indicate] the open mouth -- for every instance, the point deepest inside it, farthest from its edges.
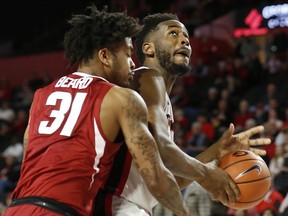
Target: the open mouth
(183, 52)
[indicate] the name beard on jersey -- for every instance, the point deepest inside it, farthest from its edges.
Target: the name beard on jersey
(80, 83)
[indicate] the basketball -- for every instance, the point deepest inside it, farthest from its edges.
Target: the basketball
(251, 174)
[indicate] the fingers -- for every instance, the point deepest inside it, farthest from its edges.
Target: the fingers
(229, 132)
(230, 195)
(223, 197)
(233, 192)
(260, 152)
(259, 141)
(214, 197)
(250, 132)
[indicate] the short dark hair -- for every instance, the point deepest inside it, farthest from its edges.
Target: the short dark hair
(97, 30)
(150, 23)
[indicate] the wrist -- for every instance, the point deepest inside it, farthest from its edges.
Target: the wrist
(203, 171)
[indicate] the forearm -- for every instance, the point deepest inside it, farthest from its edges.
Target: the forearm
(209, 154)
(183, 182)
(168, 194)
(206, 156)
(181, 164)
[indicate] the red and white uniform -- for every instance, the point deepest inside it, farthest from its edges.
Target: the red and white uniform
(131, 195)
(68, 158)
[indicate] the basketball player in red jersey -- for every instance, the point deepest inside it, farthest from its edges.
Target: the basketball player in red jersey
(79, 122)
(164, 50)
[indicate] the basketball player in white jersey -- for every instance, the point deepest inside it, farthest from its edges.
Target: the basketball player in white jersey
(164, 50)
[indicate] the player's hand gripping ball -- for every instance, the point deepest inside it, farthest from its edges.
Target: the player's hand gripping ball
(251, 174)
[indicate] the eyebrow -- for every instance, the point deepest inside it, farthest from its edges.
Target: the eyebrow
(177, 26)
(174, 26)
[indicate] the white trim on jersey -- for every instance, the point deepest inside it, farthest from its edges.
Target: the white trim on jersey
(99, 149)
(88, 75)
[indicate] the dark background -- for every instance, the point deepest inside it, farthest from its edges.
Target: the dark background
(29, 27)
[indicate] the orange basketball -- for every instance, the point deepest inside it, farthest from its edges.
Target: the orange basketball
(251, 174)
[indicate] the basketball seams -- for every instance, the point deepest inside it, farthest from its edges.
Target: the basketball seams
(256, 180)
(253, 201)
(248, 159)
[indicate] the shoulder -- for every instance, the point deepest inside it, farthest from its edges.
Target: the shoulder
(146, 78)
(147, 73)
(150, 84)
(123, 95)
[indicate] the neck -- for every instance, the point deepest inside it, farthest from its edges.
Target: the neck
(91, 70)
(169, 79)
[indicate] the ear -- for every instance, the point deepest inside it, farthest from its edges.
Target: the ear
(104, 56)
(148, 49)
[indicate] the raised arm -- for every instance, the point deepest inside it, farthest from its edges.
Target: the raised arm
(132, 119)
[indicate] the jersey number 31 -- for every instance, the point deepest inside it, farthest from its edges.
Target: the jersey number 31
(67, 103)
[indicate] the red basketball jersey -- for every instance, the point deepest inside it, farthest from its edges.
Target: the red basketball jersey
(67, 157)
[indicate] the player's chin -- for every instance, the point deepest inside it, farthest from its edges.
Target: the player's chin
(181, 60)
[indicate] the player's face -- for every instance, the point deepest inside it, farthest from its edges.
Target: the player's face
(172, 47)
(123, 64)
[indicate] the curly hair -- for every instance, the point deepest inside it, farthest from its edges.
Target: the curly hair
(97, 30)
(150, 24)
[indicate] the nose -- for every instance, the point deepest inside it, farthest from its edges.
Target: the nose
(132, 64)
(185, 40)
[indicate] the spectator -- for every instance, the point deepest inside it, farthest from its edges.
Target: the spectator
(5, 136)
(210, 103)
(273, 65)
(18, 126)
(15, 149)
(277, 162)
(268, 212)
(223, 113)
(242, 115)
(197, 141)
(198, 200)
(7, 114)
(206, 127)
(9, 175)
(283, 209)
(271, 200)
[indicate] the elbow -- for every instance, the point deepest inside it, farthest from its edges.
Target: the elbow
(161, 181)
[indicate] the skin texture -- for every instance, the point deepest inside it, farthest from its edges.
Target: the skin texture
(123, 109)
(167, 47)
